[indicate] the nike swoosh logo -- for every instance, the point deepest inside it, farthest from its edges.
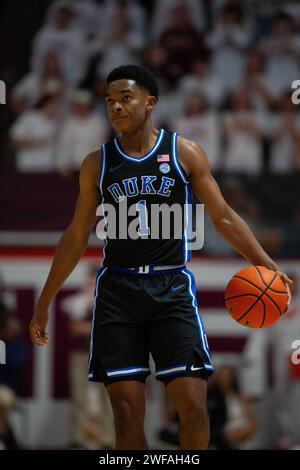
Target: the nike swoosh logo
(196, 368)
(114, 168)
(175, 289)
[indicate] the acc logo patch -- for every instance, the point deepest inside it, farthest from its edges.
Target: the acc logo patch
(164, 168)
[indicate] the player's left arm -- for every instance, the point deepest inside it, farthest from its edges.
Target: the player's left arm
(227, 222)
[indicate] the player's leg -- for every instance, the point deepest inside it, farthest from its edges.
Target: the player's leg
(128, 403)
(119, 356)
(180, 350)
(188, 395)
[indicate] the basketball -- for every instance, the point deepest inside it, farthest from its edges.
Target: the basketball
(256, 297)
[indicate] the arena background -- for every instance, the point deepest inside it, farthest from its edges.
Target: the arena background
(225, 70)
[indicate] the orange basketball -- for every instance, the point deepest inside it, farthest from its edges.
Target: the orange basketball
(256, 297)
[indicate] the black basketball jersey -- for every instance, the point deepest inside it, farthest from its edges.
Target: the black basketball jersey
(137, 195)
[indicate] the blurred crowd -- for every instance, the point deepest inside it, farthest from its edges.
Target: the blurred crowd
(12, 368)
(228, 87)
(224, 69)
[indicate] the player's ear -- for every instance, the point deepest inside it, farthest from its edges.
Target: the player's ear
(150, 103)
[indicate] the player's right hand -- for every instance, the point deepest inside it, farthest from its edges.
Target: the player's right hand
(37, 327)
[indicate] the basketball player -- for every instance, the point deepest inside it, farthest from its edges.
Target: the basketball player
(145, 297)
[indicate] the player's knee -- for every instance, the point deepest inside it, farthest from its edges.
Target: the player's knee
(126, 410)
(194, 413)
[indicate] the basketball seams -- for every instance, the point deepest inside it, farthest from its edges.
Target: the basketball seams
(264, 282)
(250, 308)
(240, 295)
(264, 292)
(248, 282)
(248, 295)
(264, 314)
(258, 298)
(273, 290)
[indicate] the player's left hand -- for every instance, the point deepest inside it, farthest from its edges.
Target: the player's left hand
(287, 281)
(37, 327)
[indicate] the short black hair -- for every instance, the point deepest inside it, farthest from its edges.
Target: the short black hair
(143, 77)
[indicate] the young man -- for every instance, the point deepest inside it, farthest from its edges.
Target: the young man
(145, 296)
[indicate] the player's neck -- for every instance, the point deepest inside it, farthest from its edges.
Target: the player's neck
(141, 141)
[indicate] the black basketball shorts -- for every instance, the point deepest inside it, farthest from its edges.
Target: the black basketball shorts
(138, 314)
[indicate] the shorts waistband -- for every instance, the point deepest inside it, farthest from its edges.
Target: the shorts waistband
(149, 269)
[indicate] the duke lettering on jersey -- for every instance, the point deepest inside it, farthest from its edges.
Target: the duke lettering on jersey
(154, 179)
(131, 187)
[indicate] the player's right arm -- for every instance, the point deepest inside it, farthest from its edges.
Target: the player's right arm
(227, 222)
(71, 246)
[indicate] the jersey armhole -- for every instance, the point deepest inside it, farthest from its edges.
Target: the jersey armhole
(178, 167)
(103, 168)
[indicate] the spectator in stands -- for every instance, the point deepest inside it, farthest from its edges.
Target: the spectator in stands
(241, 422)
(293, 240)
(92, 419)
(281, 49)
(136, 18)
(243, 130)
(7, 404)
(203, 80)
(85, 14)
(35, 85)
(12, 372)
(119, 43)
(246, 10)
(292, 8)
(216, 405)
(72, 48)
(262, 91)
(99, 90)
(237, 196)
(227, 42)
(182, 42)
(155, 59)
(83, 132)
(286, 374)
(284, 128)
(254, 212)
(200, 125)
(163, 10)
(170, 103)
(7, 298)
(33, 136)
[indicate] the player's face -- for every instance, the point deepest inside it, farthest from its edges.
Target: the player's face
(128, 105)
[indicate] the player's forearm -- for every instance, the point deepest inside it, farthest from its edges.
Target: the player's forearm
(69, 250)
(235, 230)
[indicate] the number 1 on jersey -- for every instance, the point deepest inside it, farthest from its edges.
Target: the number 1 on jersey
(143, 218)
